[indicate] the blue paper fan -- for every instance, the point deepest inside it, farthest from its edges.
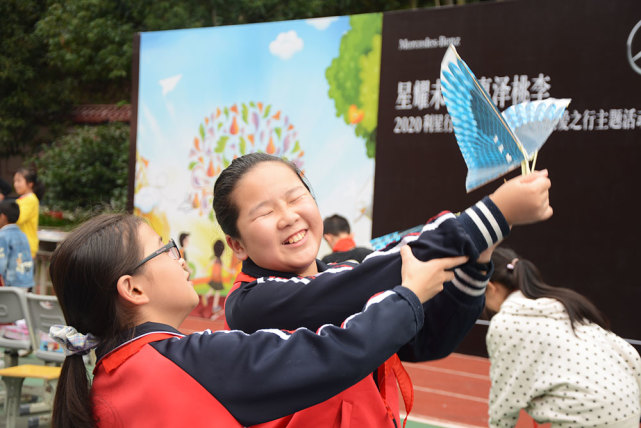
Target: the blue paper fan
(382, 242)
(491, 145)
(534, 121)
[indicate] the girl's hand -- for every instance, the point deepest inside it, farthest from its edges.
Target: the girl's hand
(524, 199)
(426, 279)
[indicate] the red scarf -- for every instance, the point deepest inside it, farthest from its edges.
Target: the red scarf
(344, 244)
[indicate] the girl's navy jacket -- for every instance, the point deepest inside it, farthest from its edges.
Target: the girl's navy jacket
(269, 299)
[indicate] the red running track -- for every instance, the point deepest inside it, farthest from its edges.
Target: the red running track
(450, 392)
(454, 391)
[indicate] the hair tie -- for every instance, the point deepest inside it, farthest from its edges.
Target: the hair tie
(512, 264)
(72, 342)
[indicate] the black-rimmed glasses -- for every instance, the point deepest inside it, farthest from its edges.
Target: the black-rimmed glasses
(170, 248)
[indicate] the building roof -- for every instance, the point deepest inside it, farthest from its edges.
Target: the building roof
(101, 113)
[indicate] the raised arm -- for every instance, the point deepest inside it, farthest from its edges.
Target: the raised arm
(290, 302)
(273, 373)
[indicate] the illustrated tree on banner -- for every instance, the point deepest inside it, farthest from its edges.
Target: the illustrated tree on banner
(230, 132)
(492, 143)
(353, 77)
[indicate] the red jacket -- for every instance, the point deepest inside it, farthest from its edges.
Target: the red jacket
(154, 376)
(362, 405)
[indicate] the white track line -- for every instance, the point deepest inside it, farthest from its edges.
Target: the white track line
(450, 371)
(451, 394)
(438, 422)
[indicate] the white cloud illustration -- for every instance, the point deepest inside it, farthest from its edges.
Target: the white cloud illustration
(321, 23)
(146, 199)
(169, 83)
(286, 45)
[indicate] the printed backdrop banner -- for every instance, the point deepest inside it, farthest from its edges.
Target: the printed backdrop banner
(305, 90)
(587, 50)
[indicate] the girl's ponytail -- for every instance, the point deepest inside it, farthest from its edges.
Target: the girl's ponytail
(84, 270)
(72, 403)
(516, 273)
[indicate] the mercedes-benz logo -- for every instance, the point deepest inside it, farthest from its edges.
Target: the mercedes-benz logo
(634, 58)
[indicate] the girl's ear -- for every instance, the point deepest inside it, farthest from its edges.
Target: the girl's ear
(131, 290)
(491, 288)
(237, 247)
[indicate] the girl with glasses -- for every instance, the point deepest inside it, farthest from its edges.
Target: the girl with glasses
(123, 291)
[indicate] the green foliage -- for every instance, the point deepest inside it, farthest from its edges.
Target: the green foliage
(26, 98)
(86, 170)
(46, 220)
(226, 12)
(353, 77)
(90, 41)
(56, 54)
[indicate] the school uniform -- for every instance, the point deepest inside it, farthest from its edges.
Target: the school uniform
(154, 376)
(344, 250)
(267, 299)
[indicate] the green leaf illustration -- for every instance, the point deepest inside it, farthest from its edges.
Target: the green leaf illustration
(221, 143)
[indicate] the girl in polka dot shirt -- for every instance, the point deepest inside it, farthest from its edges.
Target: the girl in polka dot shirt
(552, 354)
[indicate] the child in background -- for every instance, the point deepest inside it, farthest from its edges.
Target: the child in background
(120, 289)
(553, 355)
(216, 278)
(183, 241)
(25, 182)
(16, 264)
(273, 224)
(340, 239)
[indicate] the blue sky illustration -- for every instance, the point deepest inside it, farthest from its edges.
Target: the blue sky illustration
(186, 74)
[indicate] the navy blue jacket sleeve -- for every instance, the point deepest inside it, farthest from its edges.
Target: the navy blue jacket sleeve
(289, 303)
(274, 373)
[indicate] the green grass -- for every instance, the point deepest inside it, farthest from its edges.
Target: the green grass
(414, 424)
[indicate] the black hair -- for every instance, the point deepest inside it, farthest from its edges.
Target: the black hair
(181, 238)
(335, 225)
(11, 209)
(31, 176)
(84, 270)
(219, 248)
(224, 207)
(516, 273)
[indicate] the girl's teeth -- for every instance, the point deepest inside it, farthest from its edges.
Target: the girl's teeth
(296, 238)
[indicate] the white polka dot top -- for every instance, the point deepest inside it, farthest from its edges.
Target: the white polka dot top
(538, 364)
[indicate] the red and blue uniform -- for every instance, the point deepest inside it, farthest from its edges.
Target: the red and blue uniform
(154, 376)
(263, 298)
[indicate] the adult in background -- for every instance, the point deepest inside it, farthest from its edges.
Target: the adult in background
(338, 236)
(553, 355)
